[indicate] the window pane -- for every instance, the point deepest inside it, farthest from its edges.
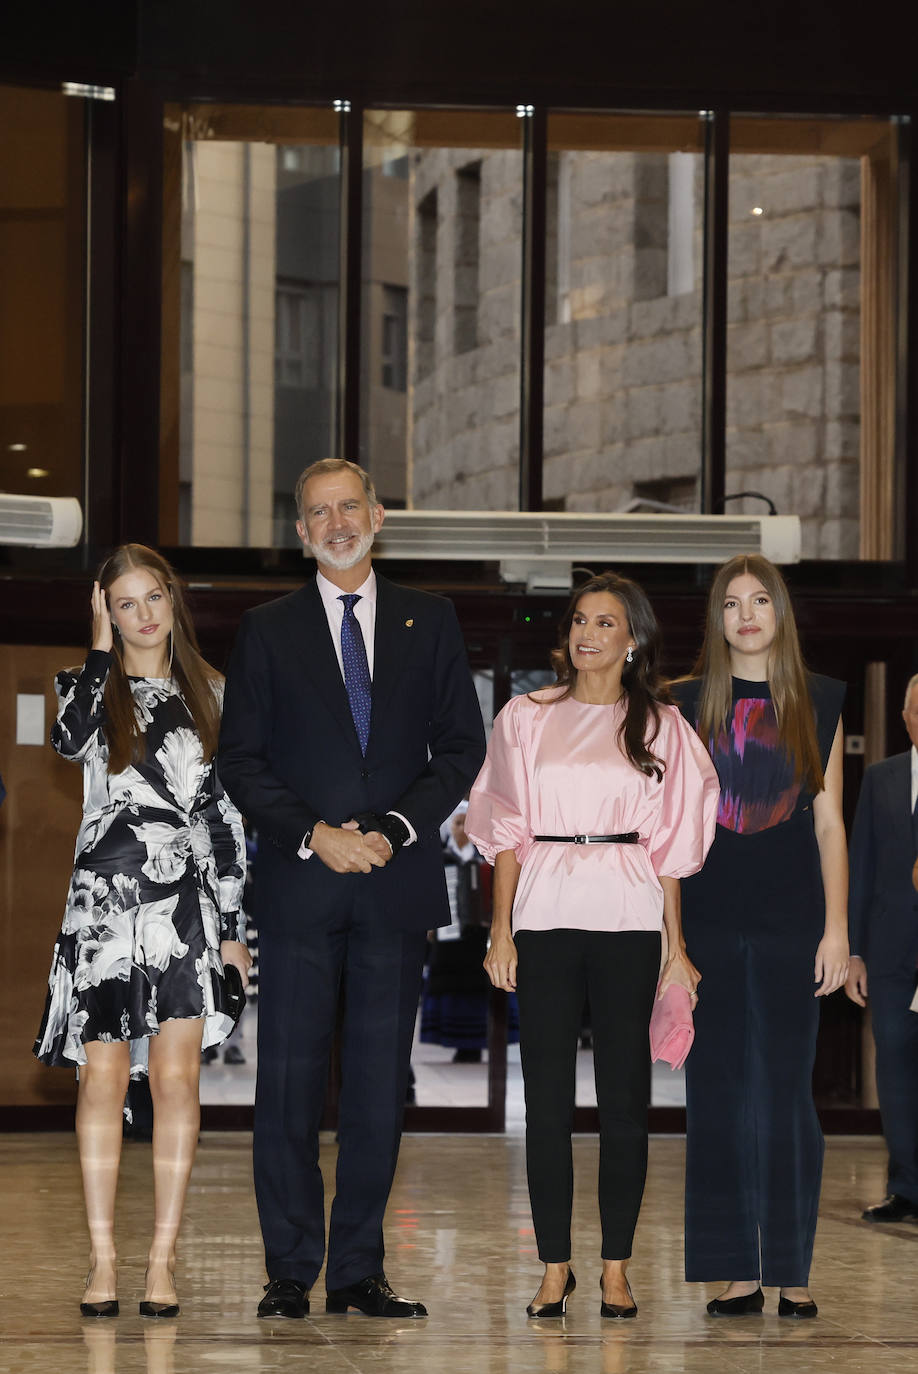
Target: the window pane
(441, 307)
(623, 312)
(810, 397)
(42, 271)
(252, 224)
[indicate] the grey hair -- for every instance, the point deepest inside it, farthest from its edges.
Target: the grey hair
(326, 466)
(912, 682)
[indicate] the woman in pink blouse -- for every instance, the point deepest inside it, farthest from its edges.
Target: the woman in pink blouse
(594, 800)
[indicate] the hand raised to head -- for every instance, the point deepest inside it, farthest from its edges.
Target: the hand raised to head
(102, 636)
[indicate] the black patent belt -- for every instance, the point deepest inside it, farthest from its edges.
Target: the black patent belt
(632, 837)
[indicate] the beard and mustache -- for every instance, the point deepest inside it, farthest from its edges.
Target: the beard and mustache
(342, 556)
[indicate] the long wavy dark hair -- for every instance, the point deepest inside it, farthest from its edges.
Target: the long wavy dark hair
(642, 683)
(194, 676)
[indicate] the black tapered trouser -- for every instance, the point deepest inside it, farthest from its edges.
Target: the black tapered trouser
(557, 971)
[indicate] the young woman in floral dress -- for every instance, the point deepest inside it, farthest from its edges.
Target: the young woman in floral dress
(153, 911)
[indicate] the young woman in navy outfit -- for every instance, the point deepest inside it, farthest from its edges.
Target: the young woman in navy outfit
(765, 921)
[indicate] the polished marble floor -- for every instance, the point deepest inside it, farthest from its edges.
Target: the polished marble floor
(459, 1236)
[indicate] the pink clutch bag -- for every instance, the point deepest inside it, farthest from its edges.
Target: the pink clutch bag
(671, 1027)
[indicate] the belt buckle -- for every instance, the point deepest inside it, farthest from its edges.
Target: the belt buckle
(581, 839)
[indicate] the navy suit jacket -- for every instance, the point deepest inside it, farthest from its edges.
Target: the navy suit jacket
(882, 904)
(289, 755)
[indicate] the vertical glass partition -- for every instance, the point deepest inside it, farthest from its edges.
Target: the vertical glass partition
(250, 316)
(42, 282)
(443, 193)
(811, 309)
(623, 298)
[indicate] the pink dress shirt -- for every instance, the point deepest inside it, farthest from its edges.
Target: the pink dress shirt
(557, 768)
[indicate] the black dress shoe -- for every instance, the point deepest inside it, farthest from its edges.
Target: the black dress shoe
(284, 1298)
(745, 1306)
(109, 1308)
(788, 1308)
(614, 1309)
(159, 1309)
(374, 1297)
(893, 1208)
(554, 1309)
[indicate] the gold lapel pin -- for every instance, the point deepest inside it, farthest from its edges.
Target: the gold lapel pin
(409, 623)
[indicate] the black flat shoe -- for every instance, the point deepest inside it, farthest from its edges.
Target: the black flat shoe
(788, 1308)
(748, 1305)
(893, 1208)
(159, 1309)
(109, 1308)
(554, 1309)
(374, 1298)
(614, 1309)
(284, 1298)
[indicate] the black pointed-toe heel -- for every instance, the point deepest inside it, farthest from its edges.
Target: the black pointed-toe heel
(802, 1310)
(109, 1308)
(749, 1304)
(159, 1309)
(554, 1309)
(614, 1309)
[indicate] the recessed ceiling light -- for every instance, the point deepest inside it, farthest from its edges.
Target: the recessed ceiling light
(80, 88)
(38, 472)
(757, 210)
(17, 448)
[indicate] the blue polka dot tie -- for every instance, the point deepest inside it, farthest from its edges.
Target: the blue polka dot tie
(356, 670)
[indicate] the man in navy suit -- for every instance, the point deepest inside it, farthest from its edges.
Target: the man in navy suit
(351, 730)
(883, 933)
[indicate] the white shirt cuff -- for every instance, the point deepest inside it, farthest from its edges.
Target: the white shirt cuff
(304, 852)
(412, 833)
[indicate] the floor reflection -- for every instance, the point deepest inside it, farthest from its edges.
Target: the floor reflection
(459, 1236)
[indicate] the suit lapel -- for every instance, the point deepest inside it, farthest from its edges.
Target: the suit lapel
(901, 801)
(907, 798)
(312, 644)
(391, 646)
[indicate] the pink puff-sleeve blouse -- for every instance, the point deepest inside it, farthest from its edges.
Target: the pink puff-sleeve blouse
(556, 767)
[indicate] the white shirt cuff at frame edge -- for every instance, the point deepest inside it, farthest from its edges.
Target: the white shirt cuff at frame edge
(305, 853)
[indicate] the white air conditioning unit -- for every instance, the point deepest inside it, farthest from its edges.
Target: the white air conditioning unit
(541, 548)
(42, 522)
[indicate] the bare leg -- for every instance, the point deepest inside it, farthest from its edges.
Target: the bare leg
(741, 1288)
(615, 1287)
(552, 1285)
(100, 1100)
(175, 1067)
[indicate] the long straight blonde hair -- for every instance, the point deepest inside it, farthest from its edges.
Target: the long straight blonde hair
(194, 676)
(787, 675)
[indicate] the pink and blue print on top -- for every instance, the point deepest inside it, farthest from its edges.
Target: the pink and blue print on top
(758, 789)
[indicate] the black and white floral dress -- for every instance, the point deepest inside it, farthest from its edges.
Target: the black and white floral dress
(157, 880)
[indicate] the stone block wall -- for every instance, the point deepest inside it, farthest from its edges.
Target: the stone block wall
(623, 358)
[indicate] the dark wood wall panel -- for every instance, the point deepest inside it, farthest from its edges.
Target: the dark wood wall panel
(38, 825)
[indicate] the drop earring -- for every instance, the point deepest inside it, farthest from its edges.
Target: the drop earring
(171, 650)
(629, 656)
